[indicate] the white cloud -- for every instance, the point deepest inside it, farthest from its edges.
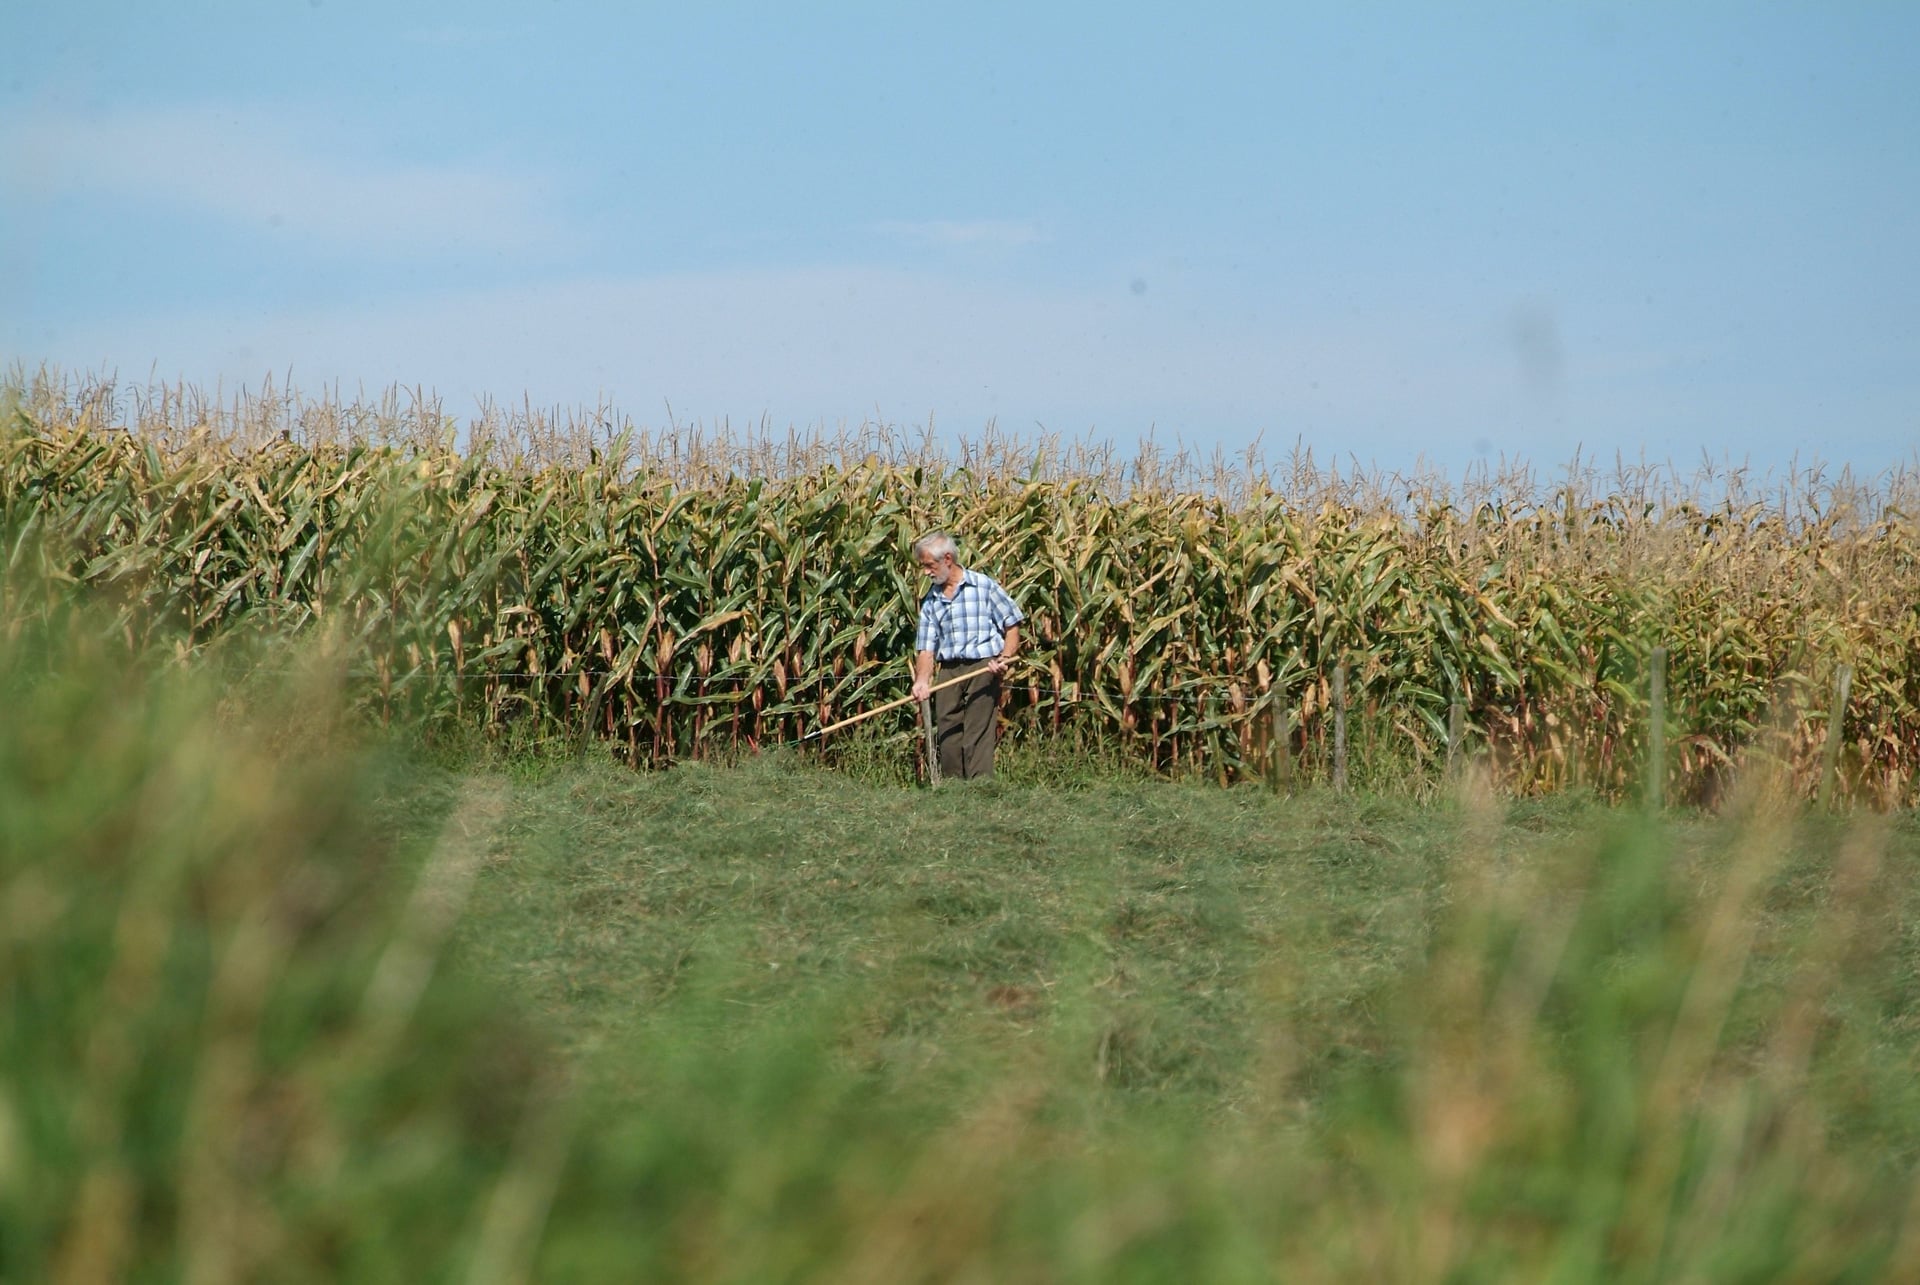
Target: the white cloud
(250, 169)
(834, 345)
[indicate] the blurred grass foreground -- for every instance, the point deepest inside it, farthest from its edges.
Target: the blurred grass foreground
(286, 1001)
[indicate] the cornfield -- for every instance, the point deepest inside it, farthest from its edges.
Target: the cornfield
(687, 591)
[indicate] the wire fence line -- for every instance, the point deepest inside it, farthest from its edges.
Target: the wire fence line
(1068, 692)
(1283, 733)
(1146, 718)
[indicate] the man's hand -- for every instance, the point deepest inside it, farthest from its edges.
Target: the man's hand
(1000, 664)
(922, 688)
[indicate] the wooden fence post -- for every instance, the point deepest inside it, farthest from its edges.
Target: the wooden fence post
(1836, 729)
(1657, 732)
(1456, 734)
(1280, 747)
(1340, 725)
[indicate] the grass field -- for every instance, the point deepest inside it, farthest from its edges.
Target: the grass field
(288, 1000)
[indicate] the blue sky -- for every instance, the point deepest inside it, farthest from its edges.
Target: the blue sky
(1397, 234)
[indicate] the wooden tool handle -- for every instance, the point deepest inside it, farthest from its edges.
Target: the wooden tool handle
(895, 704)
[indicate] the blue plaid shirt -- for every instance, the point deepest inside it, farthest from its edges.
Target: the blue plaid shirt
(971, 625)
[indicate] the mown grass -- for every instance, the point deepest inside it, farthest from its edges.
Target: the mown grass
(286, 1003)
(774, 882)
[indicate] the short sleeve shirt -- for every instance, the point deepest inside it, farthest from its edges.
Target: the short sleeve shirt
(971, 625)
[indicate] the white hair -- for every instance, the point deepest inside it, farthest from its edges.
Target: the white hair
(934, 544)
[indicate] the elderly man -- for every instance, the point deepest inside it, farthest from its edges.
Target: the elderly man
(967, 621)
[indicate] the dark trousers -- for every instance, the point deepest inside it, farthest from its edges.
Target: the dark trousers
(965, 721)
